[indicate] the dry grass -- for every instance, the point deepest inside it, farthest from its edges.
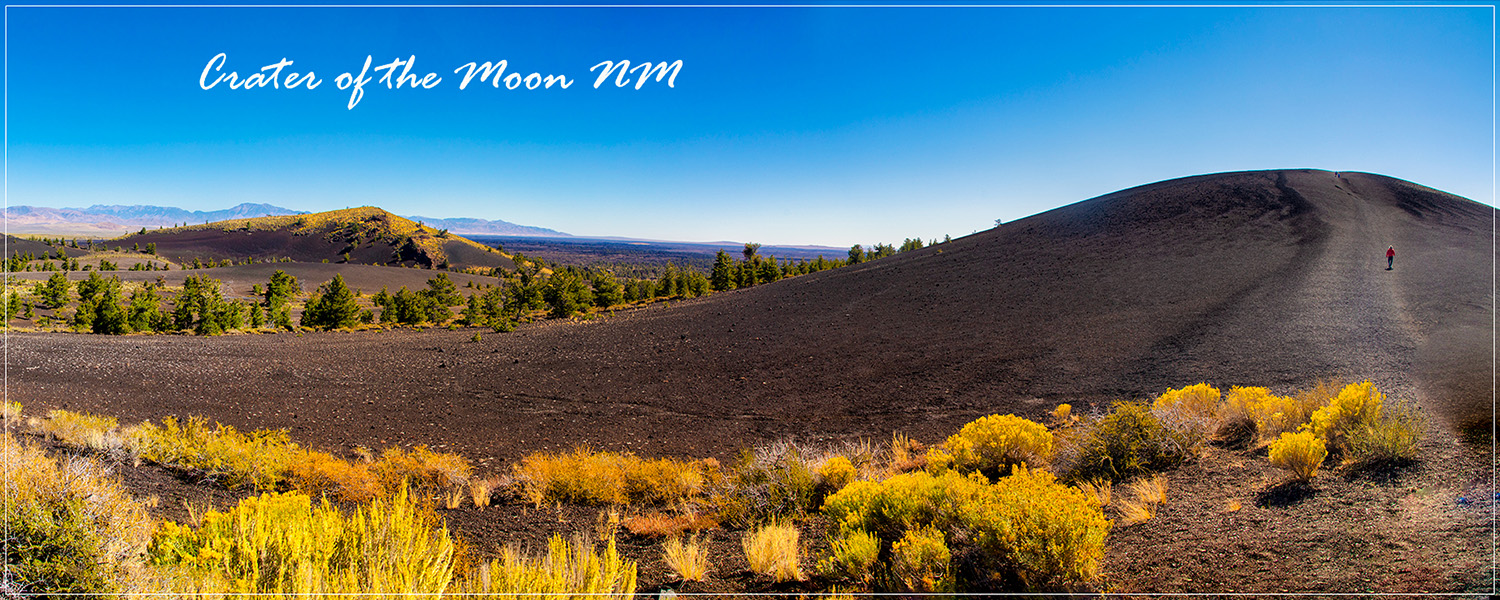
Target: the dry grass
(482, 489)
(1097, 489)
(1144, 494)
(661, 524)
(906, 455)
(72, 528)
(587, 477)
(10, 412)
(689, 560)
(83, 430)
(573, 570)
(775, 550)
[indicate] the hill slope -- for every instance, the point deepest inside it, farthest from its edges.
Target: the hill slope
(367, 235)
(1264, 278)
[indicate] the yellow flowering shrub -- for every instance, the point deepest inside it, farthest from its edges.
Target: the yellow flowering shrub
(1358, 404)
(283, 544)
(837, 472)
(1191, 413)
(1046, 534)
(921, 562)
(1301, 453)
(996, 442)
(219, 452)
(587, 477)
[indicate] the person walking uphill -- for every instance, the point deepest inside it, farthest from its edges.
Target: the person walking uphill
(1390, 257)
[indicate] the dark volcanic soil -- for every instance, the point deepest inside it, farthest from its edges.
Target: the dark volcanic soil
(1265, 278)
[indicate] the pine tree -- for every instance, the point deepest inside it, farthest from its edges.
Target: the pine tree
(722, 277)
(145, 309)
(54, 291)
(567, 294)
(332, 307)
(856, 255)
(607, 290)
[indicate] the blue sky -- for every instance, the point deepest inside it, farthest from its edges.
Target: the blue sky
(818, 125)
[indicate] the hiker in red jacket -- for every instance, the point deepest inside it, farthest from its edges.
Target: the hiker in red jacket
(1390, 257)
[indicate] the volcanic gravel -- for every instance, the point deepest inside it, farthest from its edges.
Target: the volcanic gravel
(1264, 278)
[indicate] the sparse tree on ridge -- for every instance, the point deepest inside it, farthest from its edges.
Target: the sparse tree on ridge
(722, 278)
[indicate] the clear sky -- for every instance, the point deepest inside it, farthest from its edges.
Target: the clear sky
(818, 125)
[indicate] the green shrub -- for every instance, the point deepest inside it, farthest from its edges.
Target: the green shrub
(71, 528)
(1027, 528)
(768, 484)
(1301, 453)
(993, 445)
(851, 555)
(1391, 439)
(283, 544)
(1127, 442)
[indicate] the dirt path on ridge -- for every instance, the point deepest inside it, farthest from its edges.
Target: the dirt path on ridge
(1402, 532)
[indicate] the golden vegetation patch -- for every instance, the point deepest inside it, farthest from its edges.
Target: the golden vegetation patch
(587, 477)
(285, 544)
(72, 528)
(567, 570)
(775, 550)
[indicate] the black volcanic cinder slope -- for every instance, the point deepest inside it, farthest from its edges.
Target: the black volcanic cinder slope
(1259, 278)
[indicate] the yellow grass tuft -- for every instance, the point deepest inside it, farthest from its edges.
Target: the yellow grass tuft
(568, 570)
(481, 489)
(1144, 495)
(774, 550)
(689, 560)
(1097, 489)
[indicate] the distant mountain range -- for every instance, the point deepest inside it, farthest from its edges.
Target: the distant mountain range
(486, 227)
(113, 220)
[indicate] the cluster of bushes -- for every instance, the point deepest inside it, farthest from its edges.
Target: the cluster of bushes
(73, 529)
(1003, 504)
(266, 460)
(286, 544)
(587, 477)
(1356, 425)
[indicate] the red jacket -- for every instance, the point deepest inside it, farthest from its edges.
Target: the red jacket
(1390, 252)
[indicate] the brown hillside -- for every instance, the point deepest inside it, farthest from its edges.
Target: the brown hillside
(1262, 278)
(1267, 278)
(369, 235)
